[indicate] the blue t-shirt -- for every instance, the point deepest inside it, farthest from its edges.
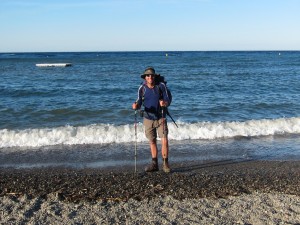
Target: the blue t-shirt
(149, 98)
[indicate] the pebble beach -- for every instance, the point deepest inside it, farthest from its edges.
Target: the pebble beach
(214, 192)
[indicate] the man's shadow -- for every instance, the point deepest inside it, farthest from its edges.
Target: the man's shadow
(194, 166)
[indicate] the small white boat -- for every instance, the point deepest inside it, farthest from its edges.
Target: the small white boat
(53, 64)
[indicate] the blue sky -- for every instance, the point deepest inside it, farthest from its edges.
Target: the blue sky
(148, 25)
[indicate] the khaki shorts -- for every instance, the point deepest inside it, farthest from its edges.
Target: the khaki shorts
(152, 127)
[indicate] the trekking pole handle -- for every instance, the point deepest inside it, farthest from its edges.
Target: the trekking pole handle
(135, 106)
(163, 103)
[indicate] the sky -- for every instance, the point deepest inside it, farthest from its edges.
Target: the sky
(148, 25)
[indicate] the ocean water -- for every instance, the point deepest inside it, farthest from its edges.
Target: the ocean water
(228, 106)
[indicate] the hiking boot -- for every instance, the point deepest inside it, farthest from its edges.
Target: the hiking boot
(166, 167)
(152, 167)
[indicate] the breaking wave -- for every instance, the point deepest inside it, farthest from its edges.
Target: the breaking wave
(108, 133)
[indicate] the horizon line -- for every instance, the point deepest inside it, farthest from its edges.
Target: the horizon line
(17, 52)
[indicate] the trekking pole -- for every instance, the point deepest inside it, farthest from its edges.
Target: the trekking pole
(135, 148)
(167, 112)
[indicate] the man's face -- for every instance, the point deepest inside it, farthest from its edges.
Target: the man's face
(150, 78)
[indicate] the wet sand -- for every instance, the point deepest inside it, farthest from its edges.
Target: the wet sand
(244, 192)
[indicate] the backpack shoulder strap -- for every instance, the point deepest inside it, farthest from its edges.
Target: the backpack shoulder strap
(166, 89)
(143, 91)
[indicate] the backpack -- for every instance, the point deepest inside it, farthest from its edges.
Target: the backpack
(161, 79)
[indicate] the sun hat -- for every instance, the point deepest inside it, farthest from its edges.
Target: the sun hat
(148, 71)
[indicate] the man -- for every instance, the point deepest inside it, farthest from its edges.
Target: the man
(154, 97)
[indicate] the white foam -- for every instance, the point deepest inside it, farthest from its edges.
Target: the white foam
(107, 133)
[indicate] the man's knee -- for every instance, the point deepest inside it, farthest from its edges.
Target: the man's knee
(152, 141)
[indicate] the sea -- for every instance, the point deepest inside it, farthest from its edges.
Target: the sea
(228, 106)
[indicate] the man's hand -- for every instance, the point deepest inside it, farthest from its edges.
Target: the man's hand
(163, 103)
(135, 106)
